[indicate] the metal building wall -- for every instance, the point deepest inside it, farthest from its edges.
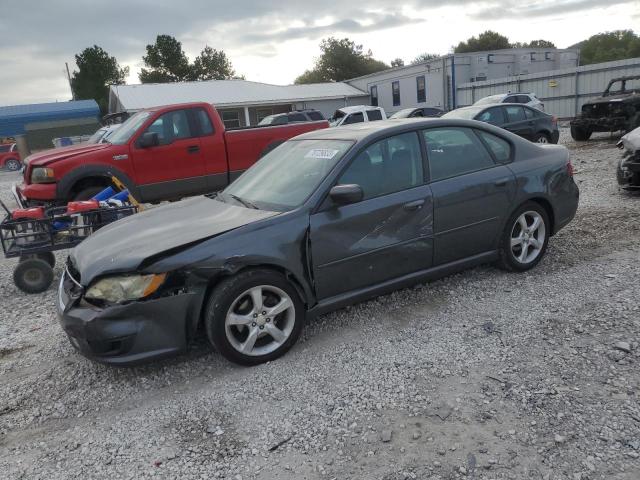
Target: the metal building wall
(562, 91)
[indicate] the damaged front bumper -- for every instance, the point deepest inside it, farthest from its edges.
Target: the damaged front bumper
(126, 334)
(601, 124)
(628, 172)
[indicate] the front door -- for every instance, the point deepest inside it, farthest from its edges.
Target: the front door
(472, 191)
(386, 235)
(176, 167)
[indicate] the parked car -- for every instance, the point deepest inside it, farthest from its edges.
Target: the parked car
(329, 218)
(102, 134)
(292, 117)
(10, 157)
(523, 98)
(617, 109)
(527, 122)
(357, 114)
(430, 112)
(163, 153)
(628, 172)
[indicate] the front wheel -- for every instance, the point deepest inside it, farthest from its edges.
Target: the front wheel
(12, 165)
(254, 317)
(580, 134)
(525, 238)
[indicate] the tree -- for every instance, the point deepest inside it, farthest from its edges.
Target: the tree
(340, 60)
(212, 64)
(534, 44)
(96, 71)
(425, 57)
(608, 46)
(488, 40)
(398, 62)
(165, 61)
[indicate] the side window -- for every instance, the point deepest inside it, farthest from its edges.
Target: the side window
(454, 151)
(395, 90)
(493, 116)
(514, 114)
(528, 113)
(354, 118)
(511, 99)
(500, 148)
(297, 117)
(206, 128)
(374, 115)
(315, 116)
(387, 166)
(523, 99)
(171, 126)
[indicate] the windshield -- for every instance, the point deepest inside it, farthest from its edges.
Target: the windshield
(463, 113)
(128, 128)
(337, 116)
(488, 100)
(95, 138)
(285, 178)
(402, 113)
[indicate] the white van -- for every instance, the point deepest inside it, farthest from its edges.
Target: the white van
(357, 114)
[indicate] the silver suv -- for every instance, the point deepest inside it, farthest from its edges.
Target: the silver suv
(524, 98)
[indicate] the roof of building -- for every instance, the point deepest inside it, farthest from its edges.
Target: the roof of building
(222, 93)
(13, 118)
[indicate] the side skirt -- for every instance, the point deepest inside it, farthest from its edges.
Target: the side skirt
(360, 295)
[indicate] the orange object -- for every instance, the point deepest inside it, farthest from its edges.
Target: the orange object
(82, 206)
(35, 213)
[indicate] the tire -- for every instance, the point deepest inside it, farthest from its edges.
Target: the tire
(87, 193)
(33, 275)
(580, 134)
(12, 164)
(513, 256)
(48, 257)
(233, 323)
(541, 137)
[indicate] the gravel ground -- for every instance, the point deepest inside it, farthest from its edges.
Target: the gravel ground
(482, 375)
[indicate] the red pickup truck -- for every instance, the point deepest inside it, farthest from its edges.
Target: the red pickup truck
(162, 153)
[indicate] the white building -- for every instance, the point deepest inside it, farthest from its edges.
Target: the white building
(433, 83)
(239, 102)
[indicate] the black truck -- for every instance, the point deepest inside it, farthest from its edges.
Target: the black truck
(617, 109)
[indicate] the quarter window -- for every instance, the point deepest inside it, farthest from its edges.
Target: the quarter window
(515, 114)
(374, 96)
(421, 89)
(374, 115)
(171, 126)
(387, 166)
(528, 113)
(500, 148)
(455, 151)
(395, 90)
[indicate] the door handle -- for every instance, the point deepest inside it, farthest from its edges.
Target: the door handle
(501, 183)
(416, 205)
(193, 148)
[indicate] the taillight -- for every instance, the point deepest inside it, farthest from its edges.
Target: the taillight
(570, 168)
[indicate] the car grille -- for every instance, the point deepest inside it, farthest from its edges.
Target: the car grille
(597, 110)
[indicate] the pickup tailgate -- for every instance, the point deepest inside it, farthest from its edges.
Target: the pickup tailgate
(245, 145)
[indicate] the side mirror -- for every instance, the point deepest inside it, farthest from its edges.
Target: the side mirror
(346, 194)
(149, 139)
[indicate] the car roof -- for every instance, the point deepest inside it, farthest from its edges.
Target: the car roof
(358, 108)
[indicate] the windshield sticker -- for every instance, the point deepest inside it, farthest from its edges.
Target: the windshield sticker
(322, 153)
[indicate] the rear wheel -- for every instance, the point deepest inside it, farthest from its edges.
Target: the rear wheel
(580, 134)
(33, 275)
(542, 138)
(254, 317)
(525, 238)
(12, 164)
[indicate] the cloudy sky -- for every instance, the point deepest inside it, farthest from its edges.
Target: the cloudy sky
(271, 40)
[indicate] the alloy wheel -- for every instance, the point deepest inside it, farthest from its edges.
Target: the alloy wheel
(542, 139)
(527, 237)
(12, 165)
(260, 320)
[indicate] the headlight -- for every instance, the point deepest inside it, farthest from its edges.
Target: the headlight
(126, 287)
(42, 175)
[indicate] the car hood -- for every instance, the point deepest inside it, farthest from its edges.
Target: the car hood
(125, 244)
(53, 155)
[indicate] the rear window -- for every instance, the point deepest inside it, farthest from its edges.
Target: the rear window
(297, 117)
(315, 116)
(374, 115)
(523, 99)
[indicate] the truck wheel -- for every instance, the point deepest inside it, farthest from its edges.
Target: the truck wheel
(87, 193)
(580, 134)
(12, 164)
(48, 257)
(33, 275)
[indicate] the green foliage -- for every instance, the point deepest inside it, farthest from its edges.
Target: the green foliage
(398, 62)
(166, 62)
(424, 57)
(96, 71)
(605, 47)
(340, 60)
(488, 40)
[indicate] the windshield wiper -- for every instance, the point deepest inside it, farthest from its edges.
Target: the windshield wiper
(244, 202)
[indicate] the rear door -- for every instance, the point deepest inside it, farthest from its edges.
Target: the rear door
(386, 235)
(472, 191)
(176, 167)
(517, 121)
(213, 151)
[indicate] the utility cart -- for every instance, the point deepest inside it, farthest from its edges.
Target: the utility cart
(33, 234)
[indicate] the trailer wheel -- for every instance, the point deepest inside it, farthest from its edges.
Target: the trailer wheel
(33, 275)
(48, 257)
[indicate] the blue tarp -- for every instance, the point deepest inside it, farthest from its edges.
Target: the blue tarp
(14, 118)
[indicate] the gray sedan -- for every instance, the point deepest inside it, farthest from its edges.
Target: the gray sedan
(327, 219)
